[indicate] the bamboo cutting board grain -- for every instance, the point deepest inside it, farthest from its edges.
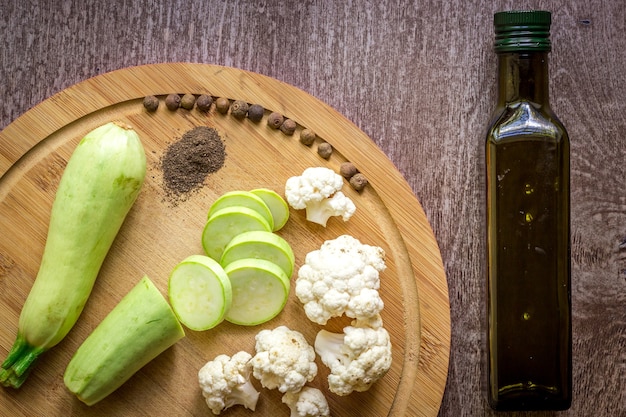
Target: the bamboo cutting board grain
(159, 233)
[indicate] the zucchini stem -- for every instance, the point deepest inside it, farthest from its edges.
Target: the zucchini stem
(18, 363)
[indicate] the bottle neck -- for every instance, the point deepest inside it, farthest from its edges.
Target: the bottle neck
(523, 76)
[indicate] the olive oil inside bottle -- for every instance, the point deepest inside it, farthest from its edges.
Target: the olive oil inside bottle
(530, 309)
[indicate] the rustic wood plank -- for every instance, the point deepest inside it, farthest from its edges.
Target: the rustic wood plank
(419, 80)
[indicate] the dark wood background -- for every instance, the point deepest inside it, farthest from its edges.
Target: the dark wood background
(419, 78)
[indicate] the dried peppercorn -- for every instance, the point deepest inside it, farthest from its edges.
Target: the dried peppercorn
(239, 109)
(358, 181)
(222, 105)
(150, 103)
(172, 101)
(288, 127)
(324, 150)
(255, 112)
(307, 137)
(203, 103)
(274, 120)
(188, 101)
(347, 170)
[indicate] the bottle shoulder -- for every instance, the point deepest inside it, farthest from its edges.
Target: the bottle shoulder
(525, 119)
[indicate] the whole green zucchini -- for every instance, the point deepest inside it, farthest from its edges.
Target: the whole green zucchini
(139, 328)
(99, 186)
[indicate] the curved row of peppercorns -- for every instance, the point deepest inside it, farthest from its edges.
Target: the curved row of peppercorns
(240, 109)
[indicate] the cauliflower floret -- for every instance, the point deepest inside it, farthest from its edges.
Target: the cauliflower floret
(283, 360)
(338, 205)
(357, 358)
(308, 402)
(341, 277)
(318, 191)
(225, 382)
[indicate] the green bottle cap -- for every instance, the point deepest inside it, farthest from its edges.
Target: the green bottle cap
(522, 31)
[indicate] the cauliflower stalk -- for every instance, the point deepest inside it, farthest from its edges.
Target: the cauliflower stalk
(308, 402)
(357, 358)
(284, 360)
(342, 277)
(317, 190)
(225, 382)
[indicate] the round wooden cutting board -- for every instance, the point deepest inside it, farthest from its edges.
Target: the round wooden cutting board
(160, 232)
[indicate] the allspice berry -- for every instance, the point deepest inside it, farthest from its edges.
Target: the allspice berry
(324, 150)
(172, 102)
(222, 105)
(288, 127)
(255, 112)
(274, 120)
(358, 181)
(239, 109)
(307, 137)
(203, 103)
(347, 170)
(151, 103)
(188, 101)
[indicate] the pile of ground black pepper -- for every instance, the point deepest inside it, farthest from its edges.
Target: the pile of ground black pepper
(187, 162)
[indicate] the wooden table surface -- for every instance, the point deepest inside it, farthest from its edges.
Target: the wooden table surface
(419, 79)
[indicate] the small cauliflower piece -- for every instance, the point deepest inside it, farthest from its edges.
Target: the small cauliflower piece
(317, 190)
(357, 358)
(284, 360)
(338, 205)
(308, 402)
(341, 277)
(225, 382)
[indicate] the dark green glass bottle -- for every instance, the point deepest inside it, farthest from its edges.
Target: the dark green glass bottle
(528, 226)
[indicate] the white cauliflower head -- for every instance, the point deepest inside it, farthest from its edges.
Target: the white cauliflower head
(225, 382)
(317, 190)
(308, 402)
(283, 360)
(342, 277)
(357, 358)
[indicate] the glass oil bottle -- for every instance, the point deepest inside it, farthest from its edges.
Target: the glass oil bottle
(528, 226)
